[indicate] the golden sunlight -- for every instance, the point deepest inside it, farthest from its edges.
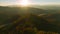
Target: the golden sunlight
(24, 3)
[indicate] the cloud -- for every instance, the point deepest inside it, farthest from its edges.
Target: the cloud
(47, 3)
(6, 4)
(41, 3)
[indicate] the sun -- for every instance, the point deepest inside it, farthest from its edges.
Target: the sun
(24, 3)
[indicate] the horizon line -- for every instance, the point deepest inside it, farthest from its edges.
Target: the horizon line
(7, 4)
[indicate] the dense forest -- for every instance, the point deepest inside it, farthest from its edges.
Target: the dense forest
(29, 20)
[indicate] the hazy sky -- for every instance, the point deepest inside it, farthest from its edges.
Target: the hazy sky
(46, 0)
(5, 2)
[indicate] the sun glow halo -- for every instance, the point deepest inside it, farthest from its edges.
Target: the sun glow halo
(24, 3)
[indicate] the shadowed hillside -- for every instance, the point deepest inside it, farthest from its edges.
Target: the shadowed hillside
(28, 20)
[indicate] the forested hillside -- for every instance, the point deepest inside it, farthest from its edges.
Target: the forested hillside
(28, 20)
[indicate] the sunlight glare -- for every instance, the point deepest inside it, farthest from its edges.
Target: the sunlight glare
(24, 3)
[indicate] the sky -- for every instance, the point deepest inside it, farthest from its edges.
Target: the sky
(11, 2)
